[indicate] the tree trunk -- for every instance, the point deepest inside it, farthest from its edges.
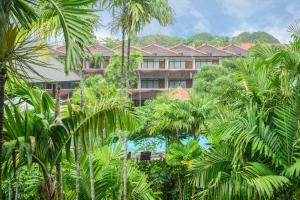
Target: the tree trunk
(78, 168)
(120, 171)
(2, 92)
(91, 169)
(59, 181)
(125, 166)
(193, 190)
(9, 189)
(125, 132)
(59, 185)
(47, 191)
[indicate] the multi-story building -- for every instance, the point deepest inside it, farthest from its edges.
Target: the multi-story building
(163, 68)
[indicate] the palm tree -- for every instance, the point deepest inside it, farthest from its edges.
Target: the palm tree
(59, 186)
(183, 156)
(46, 19)
(258, 152)
(34, 127)
(133, 16)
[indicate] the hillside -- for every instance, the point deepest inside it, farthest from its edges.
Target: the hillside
(196, 40)
(255, 37)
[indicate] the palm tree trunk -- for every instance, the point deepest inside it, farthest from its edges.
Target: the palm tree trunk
(193, 190)
(78, 168)
(9, 189)
(125, 166)
(59, 164)
(16, 180)
(120, 171)
(125, 132)
(2, 92)
(91, 169)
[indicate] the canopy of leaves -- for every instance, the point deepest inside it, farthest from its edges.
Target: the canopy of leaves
(116, 75)
(195, 40)
(255, 37)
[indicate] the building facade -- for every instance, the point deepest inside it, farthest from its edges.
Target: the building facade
(164, 68)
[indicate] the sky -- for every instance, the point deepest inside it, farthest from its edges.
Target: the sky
(222, 17)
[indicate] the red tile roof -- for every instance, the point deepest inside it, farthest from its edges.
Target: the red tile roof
(246, 46)
(235, 49)
(179, 94)
(133, 49)
(157, 50)
(59, 49)
(98, 48)
(214, 51)
(187, 51)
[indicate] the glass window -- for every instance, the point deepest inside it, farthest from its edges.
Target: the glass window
(177, 83)
(200, 63)
(177, 64)
(150, 84)
(150, 64)
(67, 85)
(48, 86)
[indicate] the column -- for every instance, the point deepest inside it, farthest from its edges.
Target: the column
(166, 62)
(139, 80)
(194, 62)
(166, 82)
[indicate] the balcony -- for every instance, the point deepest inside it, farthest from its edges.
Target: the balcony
(93, 70)
(163, 73)
(146, 93)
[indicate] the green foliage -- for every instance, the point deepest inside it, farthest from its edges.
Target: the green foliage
(96, 88)
(172, 119)
(183, 155)
(195, 40)
(215, 81)
(116, 75)
(255, 37)
(111, 42)
(107, 161)
(164, 40)
(162, 176)
(201, 38)
(96, 60)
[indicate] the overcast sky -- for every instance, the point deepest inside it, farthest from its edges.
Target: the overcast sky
(224, 17)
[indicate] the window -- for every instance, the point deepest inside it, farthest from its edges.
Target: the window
(48, 86)
(67, 85)
(94, 64)
(150, 64)
(200, 63)
(177, 64)
(149, 84)
(177, 83)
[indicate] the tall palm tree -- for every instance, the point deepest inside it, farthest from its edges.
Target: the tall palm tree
(59, 185)
(46, 19)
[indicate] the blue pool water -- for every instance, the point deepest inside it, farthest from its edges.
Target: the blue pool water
(159, 145)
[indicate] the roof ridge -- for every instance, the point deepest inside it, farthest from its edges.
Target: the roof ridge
(153, 44)
(190, 47)
(101, 46)
(140, 49)
(217, 48)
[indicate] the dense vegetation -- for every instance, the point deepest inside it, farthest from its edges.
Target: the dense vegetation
(196, 40)
(246, 109)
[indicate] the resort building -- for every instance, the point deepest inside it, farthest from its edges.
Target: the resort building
(53, 76)
(163, 68)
